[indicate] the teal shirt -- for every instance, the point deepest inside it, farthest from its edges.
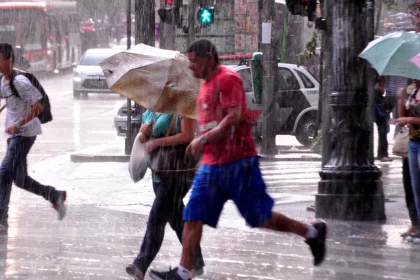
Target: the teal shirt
(160, 127)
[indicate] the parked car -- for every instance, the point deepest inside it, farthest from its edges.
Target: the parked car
(120, 120)
(296, 104)
(88, 75)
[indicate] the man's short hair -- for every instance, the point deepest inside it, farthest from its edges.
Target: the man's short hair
(202, 47)
(7, 51)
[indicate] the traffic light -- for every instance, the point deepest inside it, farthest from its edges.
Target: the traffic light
(205, 15)
(302, 8)
(170, 15)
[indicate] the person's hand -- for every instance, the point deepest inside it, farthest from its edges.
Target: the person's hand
(195, 148)
(146, 128)
(12, 130)
(152, 145)
(404, 121)
(142, 138)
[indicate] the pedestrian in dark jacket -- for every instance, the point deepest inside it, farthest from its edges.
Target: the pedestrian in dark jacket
(381, 120)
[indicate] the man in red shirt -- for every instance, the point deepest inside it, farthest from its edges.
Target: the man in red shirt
(229, 166)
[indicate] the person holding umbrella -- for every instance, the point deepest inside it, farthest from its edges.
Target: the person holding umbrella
(381, 120)
(159, 130)
(403, 95)
(410, 116)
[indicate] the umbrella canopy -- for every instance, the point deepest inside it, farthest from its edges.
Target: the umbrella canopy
(157, 79)
(390, 55)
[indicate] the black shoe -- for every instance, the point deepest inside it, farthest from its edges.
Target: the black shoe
(317, 244)
(4, 228)
(135, 272)
(166, 275)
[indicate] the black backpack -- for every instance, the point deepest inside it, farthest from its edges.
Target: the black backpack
(45, 115)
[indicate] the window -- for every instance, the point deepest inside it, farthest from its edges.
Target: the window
(246, 78)
(306, 81)
(289, 81)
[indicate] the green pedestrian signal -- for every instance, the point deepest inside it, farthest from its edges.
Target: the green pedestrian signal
(205, 15)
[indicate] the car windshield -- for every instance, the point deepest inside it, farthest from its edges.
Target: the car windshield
(91, 58)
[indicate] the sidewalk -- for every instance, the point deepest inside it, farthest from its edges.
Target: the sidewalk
(107, 218)
(96, 243)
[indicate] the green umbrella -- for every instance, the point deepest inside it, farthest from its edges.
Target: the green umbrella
(390, 55)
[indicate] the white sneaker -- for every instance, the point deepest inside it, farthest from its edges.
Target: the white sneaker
(59, 205)
(408, 239)
(416, 240)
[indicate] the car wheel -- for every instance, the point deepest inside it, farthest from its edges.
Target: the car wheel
(307, 131)
(76, 94)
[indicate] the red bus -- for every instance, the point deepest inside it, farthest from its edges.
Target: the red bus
(47, 31)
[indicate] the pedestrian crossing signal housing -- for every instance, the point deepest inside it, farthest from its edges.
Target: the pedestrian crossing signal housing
(306, 8)
(205, 15)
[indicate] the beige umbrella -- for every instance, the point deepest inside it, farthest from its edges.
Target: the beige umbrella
(157, 79)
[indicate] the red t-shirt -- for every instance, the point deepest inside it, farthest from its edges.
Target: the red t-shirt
(224, 90)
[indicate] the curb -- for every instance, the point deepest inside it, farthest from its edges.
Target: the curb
(78, 158)
(84, 158)
(286, 158)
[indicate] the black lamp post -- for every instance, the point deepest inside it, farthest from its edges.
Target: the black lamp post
(350, 186)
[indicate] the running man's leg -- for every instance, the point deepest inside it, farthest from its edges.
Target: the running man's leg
(6, 181)
(21, 147)
(191, 238)
(255, 205)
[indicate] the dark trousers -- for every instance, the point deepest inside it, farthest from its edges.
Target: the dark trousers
(382, 123)
(167, 207)
(14, 168)
(409, 196)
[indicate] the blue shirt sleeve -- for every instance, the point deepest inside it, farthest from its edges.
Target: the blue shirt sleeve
(161, 125)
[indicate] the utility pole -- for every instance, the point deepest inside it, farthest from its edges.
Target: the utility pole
(268, 48)
(144, 33)
(145, 22)
(192, 13)
(128, 135)
(167, 28)
(350, 186)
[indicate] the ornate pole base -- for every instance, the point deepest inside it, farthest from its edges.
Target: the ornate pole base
(350, 195)
(350, 186)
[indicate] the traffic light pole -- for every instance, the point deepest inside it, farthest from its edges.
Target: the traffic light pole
(268, 48)
(167, 29)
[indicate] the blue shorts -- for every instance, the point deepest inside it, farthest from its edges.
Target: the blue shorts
(240, 181)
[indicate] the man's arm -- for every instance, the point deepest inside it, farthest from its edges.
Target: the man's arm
(35, 111)
(402, 111)
(232, 119)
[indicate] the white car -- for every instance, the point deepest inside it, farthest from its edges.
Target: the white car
(296, 102)
(88, 75)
